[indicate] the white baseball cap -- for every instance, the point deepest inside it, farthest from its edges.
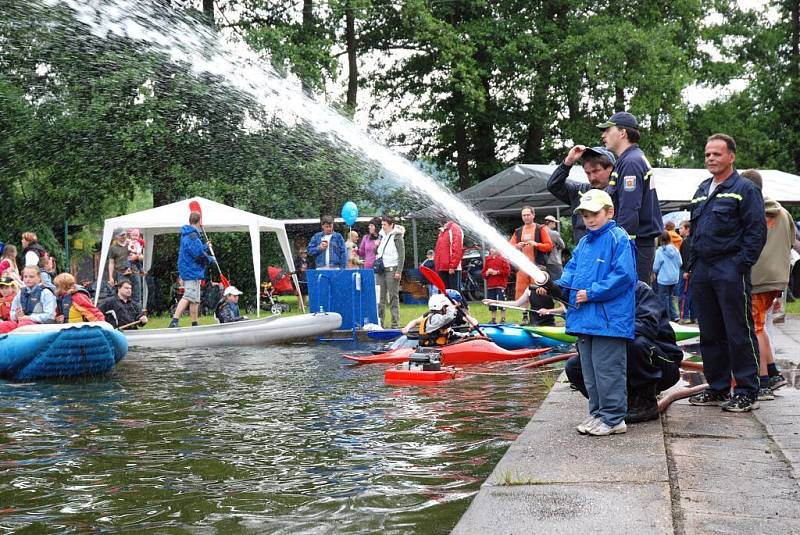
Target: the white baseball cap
(232, 290)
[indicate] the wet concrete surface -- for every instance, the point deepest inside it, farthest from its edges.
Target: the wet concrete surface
(697, 470)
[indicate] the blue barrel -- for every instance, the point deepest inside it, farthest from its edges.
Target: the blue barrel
(349, 292)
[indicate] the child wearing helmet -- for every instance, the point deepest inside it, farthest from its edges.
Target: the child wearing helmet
(436, 325)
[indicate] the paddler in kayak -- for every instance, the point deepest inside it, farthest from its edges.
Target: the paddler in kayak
(436, 325)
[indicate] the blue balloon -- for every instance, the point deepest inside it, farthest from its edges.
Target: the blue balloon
(350, 213)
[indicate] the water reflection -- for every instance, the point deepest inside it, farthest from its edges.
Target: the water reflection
(285, 440)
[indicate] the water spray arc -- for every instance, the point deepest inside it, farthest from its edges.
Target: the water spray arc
(190, 42)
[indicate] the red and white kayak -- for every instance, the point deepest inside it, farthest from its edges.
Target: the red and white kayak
(469, 352)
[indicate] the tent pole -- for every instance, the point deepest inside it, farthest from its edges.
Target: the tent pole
(414, 237)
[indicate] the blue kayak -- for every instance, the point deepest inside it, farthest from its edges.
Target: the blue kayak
(515, 337)
(60, 351)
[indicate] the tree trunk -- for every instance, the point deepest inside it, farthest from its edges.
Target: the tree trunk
(484, 142)
(308, 30)
(462, 153)
(619, 98)
(208, 10)
(352, 63)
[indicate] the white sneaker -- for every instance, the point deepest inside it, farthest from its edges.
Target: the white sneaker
(587, 424)
(602, 429)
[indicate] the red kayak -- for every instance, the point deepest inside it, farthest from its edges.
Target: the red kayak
(469, 352)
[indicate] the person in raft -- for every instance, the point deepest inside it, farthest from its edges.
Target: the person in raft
(8, 291)
(193, 257)
(121, 311)
(227, 310)
(600, 278)
(74, 302)
(35, 302)
(436, 325)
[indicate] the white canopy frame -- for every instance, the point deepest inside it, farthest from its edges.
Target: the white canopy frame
(169, 219)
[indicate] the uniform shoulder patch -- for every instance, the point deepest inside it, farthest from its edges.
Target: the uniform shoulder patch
(629, 182)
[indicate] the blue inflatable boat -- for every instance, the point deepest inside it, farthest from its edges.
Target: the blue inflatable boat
(59, 351)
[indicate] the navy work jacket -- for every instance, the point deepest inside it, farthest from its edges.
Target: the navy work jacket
(632, 188)
(729, 229)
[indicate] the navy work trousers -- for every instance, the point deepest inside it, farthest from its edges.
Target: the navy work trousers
(727, 335)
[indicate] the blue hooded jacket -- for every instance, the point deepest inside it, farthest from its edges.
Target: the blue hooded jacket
(193, 256)
(602, 264)
(667, 265)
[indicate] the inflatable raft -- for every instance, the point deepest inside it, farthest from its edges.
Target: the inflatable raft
(270, 330)
(469, 352)
(682, 332)
(60, 351)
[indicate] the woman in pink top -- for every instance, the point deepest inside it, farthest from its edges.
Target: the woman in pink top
(369, 243)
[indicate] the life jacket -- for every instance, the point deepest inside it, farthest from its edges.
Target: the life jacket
(31, 300)
(65, 304)
(540, 301)
(436, 337)
(539, 256)
(5, 307)
(218, 309)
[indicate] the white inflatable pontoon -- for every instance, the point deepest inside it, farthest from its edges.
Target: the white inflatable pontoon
(254, 332)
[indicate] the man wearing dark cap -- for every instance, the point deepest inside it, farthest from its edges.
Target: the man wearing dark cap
(597, 164)
(633, 189)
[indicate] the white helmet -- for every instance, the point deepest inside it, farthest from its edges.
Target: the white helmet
(437, 302)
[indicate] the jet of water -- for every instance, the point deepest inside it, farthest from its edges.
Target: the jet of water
(188, 41)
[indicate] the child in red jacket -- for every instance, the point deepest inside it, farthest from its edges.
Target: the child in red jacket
(496, 270)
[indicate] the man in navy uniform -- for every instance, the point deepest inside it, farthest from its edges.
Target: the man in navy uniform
(633, 190)
(729, 230)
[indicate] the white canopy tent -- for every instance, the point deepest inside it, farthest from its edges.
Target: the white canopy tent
(216, 218)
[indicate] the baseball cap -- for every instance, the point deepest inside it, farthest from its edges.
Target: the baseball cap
(232, 290)
(551, 218)
(119, 232)
(594, 200)
(622, 119)
(601, 151)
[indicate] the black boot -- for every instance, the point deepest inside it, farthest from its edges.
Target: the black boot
(644, 405)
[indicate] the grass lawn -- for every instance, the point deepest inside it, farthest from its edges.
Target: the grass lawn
(407, 312)
(793, 307)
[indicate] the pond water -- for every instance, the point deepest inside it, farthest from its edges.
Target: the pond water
(275, 440)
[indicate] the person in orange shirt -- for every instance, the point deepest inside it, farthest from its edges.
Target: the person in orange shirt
(669, 226)
(534, 241)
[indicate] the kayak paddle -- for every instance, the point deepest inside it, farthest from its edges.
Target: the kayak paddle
(194, 206)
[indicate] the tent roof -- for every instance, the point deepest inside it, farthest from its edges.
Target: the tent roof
(170, 218)
(526, 184)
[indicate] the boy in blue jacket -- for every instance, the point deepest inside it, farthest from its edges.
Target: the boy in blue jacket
(601, 278)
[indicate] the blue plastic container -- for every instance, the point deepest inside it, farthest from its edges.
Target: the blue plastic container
(349, 292)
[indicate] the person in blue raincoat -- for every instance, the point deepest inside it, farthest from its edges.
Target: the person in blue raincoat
(193, 257)
(600, 279)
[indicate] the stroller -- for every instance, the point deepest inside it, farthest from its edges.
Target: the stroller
(278, 282)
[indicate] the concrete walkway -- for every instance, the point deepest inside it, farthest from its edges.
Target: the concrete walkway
(697, 470)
